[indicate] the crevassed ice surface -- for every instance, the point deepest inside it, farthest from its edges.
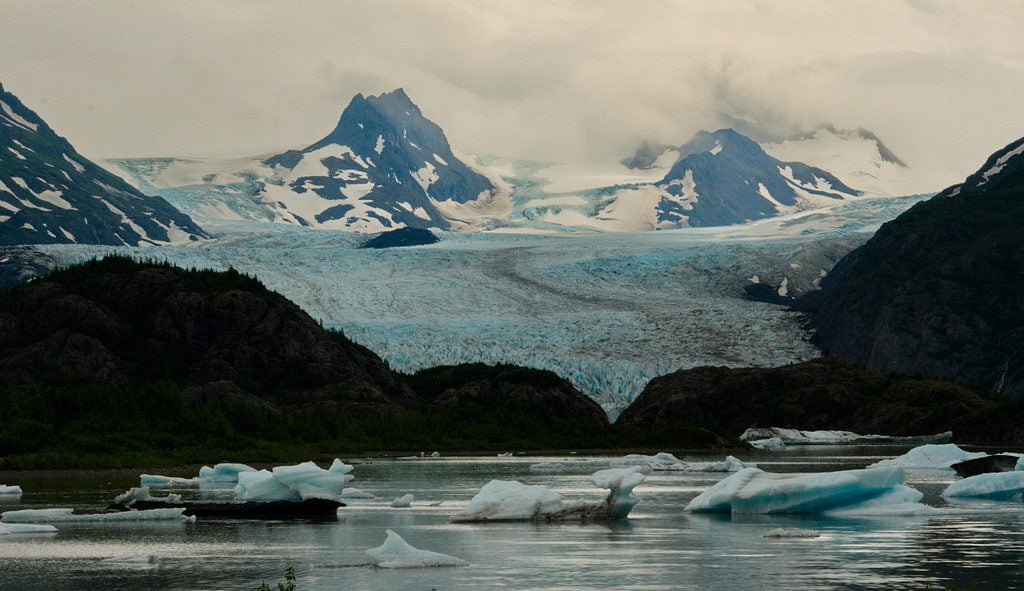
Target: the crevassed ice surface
(606, 311)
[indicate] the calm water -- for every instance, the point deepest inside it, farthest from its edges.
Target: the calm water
(659, 547)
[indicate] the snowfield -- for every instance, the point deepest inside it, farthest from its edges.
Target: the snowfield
(608, 311)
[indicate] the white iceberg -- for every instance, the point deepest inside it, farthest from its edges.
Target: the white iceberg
(67, 515)
(502, 500)
(997, 486)
(12, 489)
(397, 553)
(7, 529)
(791, 532)
(141, 493)
(402, 501)
(355, 493)
(770, 443)
(833, 437)
(225, 473)
(156, 481)
(751, 490)
(934, 457)
(666, 462)
(263, 486)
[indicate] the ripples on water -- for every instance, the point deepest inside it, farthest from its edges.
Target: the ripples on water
(659, 547)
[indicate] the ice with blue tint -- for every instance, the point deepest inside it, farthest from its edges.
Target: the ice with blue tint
(666, 462)
(608, 312)
(68, 515)
(402, 501)
(395, 552)
(298, 482)
(10, 489)
(262, 486)
(224, 474)
(141, 493)
(996, 486)
(930, 457)
(156, 481)
(877, 491)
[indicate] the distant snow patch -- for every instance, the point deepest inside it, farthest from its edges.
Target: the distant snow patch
(17, 119)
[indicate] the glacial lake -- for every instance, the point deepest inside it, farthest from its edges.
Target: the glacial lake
(658, 547)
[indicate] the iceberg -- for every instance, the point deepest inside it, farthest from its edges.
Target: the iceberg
(355, 493)
(67, 515)
(141, 493)
(395, 552)
(402, 501)
(666, 462)
(833, 437)
(226, 473)
(261, 485)
(7, 529)
(997, 486)
(502, 500)
(933, 457)
(156, 480)
(10, 489)
(751, 490)
(299, 482)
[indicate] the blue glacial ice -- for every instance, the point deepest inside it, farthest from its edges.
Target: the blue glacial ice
(61, 515)
(297, 482)
(395, 552)
(995, 486)
(877, 491)
(929, 457)
(666, 462)
(607, 311)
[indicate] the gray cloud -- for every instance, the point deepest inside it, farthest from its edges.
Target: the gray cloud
(939, 81)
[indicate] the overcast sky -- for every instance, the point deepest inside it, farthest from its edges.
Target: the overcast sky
(940, 82)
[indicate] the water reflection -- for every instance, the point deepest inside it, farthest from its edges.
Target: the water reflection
(660, 547)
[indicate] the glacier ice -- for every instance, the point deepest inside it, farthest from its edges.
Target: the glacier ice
(759, 437)
(156, 481)
(261, 485)
(222, 474)
(395, 552)
(141, 493)
(932, 456)
(10, 489)
(403, 501)
(313, 482)
(864, 492)
(61, 515)
(998, 486)
(510, 500)
(666, 462)
(25, 528)
(597, 309)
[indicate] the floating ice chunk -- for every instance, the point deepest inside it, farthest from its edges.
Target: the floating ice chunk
(902, 501)
(141, 493)
(340, 467)
(397, 553)
(510, 500)
(834, 437)
(754, 491)
(999, 486)
(223, 473)
(24, 528)
(621, 482)
(547, 467)
(770, 443)
(67, 515)
(12, 489)
(263, 486)
(1020, 463)
(935, 457)
(313, 482)
(355, 493)
(402, 501)
(730, 464)
(791, 532)
(156, 480)
(660, 461)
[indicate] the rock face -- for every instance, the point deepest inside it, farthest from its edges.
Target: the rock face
(384, 166)
(49, 193)
(401, 237)
(939, 291)
(823, 394)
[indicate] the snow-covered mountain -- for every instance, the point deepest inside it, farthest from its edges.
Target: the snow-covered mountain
(719, 179)
(384, 166)
(49, 193)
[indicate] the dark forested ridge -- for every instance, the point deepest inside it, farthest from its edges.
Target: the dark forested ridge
(939, 291)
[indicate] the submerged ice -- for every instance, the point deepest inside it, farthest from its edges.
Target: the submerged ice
(878, 491)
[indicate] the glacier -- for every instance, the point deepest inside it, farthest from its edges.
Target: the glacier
(607, 311)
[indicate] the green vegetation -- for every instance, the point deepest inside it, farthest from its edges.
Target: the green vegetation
(287, 585)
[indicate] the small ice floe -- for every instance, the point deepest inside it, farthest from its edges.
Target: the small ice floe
(67, 515)
(505, 454)
(355, 493)
(11, 490)
(402, 501)
(877, 491)
(666, 462)
(547, 467)
(791, 532)
(222, 475)
(299, 482)
(141, 493)
(994, 486)
(834, 437)
(397, 553)
(502, 500)
(769, 443)
(929, 457)
(8, 529)
(158, 481)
